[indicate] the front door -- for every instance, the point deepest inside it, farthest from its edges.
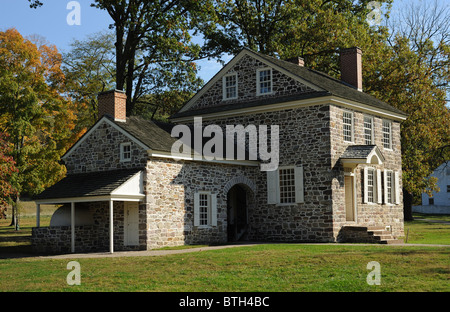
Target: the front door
(349, 203)
(131, 223)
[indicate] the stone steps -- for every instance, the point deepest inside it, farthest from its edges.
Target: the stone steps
(370, 234)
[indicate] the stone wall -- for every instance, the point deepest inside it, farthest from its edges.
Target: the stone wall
(170, 200)
(101, 152)
(304, 140)
(367, 214)
(282, 85)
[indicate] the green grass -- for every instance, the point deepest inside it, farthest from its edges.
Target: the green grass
(271, 267)
(424, 232)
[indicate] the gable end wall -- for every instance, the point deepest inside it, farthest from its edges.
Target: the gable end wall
(100, 151)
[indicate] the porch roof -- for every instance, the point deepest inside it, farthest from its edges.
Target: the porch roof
(361, 154)
(94, 186)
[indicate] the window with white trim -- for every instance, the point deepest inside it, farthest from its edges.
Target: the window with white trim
(347, 121)
(389, 182)
(285, 185)
(370, 186)
(125, 151)
(264, 81)
(368, 130)
(230, 86)
(386, 130)
(205, 209)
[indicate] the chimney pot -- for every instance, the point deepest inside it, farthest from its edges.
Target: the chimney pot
(113, 104)
(351, 67)
(297, 61)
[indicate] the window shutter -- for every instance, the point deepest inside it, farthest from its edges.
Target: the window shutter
(299, 191)
(379, 189)
(196, 209)
(397, 187)
(272, 185)
(385, 187)
(213, 209)
(365, 198)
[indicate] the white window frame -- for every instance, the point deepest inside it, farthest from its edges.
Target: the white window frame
(258, 82)
(211, 209)
(123, 152)
(283, 188)
(367, 130)
(386, 145)
(274, 190)
(352, 126)
(395, 187)
(375, 198)
(225, 87)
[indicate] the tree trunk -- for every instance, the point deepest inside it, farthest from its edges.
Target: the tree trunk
(15, 214)
(407, 205)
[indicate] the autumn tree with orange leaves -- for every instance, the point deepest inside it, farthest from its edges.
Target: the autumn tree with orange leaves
(34, 113)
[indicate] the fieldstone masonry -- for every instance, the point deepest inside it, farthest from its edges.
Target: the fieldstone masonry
(311, 136)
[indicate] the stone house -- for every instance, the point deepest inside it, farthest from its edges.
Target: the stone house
(337, 175)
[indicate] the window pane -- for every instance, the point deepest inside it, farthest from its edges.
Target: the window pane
(368, 130)
(389, 187)
(386, 130)
(348, 126)
(203, 209)
(265, 81)
(230, 86)
(370, 186)
(287, 185)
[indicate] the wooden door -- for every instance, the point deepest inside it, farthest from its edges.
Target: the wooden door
(349, 204)
(131, 226)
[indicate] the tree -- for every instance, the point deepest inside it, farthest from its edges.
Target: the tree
(37, 118)
(89, 68)
(412, 74)
(153, 47)
(314, 30)
(7, 171)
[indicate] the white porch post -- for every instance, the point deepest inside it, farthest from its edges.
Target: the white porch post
(38, 215)
(111, 227)
(72, 225)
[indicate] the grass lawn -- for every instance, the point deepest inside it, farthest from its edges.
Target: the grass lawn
(261, 268)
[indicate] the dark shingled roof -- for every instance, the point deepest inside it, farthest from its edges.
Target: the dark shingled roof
(330, 85)
(88, 184)
(154, 134)
(358, 151)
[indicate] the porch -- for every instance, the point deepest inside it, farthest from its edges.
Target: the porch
(99, 212)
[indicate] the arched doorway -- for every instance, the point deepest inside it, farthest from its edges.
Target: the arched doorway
(237, 212)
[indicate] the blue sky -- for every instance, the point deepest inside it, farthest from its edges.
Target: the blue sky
(50, 22)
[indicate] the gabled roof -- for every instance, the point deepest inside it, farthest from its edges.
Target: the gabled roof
(147, 134)
(361, 154)
(322, 85)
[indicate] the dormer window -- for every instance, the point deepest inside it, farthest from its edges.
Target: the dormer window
(230, 84)
(125, 152)
(264, 81)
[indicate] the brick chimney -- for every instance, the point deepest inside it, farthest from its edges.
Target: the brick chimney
(351, 67)
(113, 104)
(297, 61)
